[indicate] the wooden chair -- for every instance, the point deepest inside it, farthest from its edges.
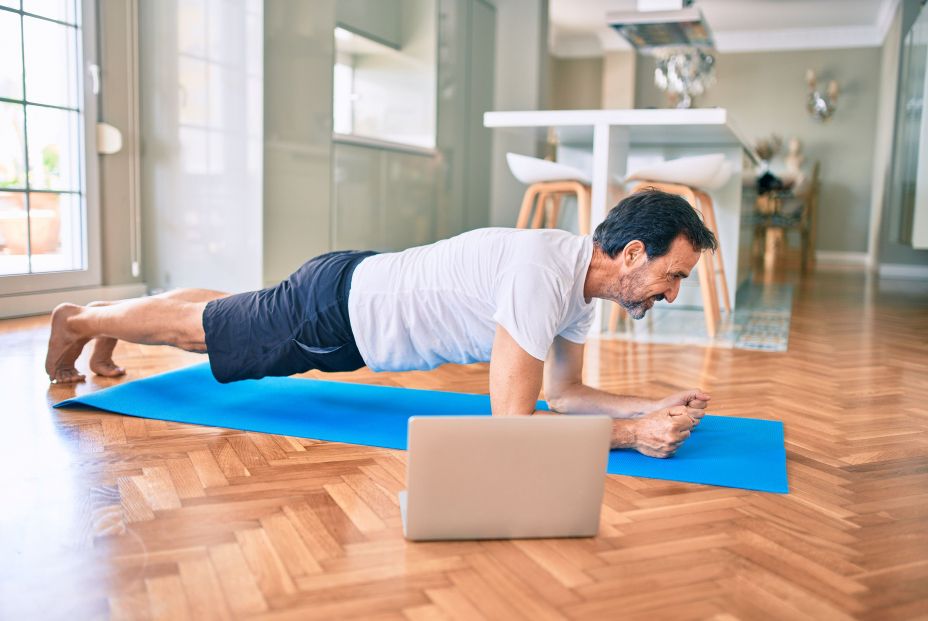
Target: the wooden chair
(772, 224)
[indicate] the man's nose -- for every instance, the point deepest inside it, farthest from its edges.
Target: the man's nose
(671, 294)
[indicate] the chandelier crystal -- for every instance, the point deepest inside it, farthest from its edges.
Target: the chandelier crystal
(684, 74)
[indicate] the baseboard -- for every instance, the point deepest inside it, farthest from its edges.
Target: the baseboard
(25, 304)
(903, 270)
(847, 258)
(830, 259)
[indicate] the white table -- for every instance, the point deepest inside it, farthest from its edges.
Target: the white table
(612, 143)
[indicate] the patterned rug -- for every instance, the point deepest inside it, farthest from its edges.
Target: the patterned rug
(761, 322)
(762, 316)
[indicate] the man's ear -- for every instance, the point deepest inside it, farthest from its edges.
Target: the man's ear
(634, 253)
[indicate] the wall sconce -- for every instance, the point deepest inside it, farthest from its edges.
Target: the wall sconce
(821, 106)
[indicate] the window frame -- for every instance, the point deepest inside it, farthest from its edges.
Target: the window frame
(18, 284)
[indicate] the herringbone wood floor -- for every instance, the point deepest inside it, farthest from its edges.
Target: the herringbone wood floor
(110, 516)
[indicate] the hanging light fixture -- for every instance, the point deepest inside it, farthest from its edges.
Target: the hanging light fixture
(684, 74)
(676, 33)
(662, 24)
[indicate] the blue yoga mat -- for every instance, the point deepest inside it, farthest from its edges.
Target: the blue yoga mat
(732, 452)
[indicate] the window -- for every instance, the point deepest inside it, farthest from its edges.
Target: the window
(43, 196)
(384, 93)
(343, 94)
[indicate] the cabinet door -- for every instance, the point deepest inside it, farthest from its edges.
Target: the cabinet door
(451, 136)
(409, 199)
(299, 54)
(358, 201)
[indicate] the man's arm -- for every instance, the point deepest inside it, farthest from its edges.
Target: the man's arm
(515, 381)
(566, 393)
(515, 377)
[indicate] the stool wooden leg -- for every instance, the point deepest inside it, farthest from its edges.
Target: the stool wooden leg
(710, 300)
(525, 212)
(716, 307)
(583, 209)
(708, 213)
(540, 209)
(615, 315)
(554, 212)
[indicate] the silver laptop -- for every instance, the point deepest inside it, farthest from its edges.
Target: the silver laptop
(482, 477)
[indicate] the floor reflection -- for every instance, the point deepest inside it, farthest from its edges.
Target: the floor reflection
(761, 322)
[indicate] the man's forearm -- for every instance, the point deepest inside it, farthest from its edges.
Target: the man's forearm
(583, 399)
(623, 434)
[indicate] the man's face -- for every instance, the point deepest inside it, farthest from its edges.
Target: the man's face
(657, 279)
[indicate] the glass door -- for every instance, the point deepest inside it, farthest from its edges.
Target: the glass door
(48, 189)
(909, 189)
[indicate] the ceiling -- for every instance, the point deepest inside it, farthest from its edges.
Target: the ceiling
(578, 27)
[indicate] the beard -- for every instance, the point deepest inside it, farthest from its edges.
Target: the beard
(626, 294)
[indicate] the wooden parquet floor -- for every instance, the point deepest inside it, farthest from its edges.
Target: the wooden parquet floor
(103, 516)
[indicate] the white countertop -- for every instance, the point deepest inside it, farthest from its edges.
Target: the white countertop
(700, 126)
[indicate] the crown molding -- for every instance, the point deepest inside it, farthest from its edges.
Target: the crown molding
(576, 45)
(884, 20)
(797, 39)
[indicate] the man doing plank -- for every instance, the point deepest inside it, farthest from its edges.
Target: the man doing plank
(520, 299)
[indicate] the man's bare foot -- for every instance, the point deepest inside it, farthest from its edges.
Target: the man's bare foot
(101, 360)
(64, 346)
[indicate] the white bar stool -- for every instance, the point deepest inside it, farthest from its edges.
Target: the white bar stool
(549, 180)
(689, 177)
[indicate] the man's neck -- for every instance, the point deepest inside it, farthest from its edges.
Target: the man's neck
(602, 269)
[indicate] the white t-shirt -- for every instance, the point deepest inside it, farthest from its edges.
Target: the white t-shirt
(440, 303)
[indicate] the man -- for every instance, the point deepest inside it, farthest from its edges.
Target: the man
(520, 299)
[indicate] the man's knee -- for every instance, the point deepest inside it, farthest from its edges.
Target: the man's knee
(191, 335)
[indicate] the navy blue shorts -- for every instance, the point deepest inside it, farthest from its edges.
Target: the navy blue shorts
(298, 325)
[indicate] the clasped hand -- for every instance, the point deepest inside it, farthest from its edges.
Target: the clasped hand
(661, 432)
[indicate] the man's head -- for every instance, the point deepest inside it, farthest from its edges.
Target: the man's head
(651, 240)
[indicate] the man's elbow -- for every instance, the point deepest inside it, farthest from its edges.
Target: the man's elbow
(561, 398)
(558, 402)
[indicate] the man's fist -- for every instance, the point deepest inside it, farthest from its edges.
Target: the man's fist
(694, 400)
(660, 433)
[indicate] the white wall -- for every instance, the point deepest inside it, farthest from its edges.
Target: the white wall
(618, 80)
(200, 82)
(575, 83)
(766, 92)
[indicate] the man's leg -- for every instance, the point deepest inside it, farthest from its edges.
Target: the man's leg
(158, 320)
(101, 360)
